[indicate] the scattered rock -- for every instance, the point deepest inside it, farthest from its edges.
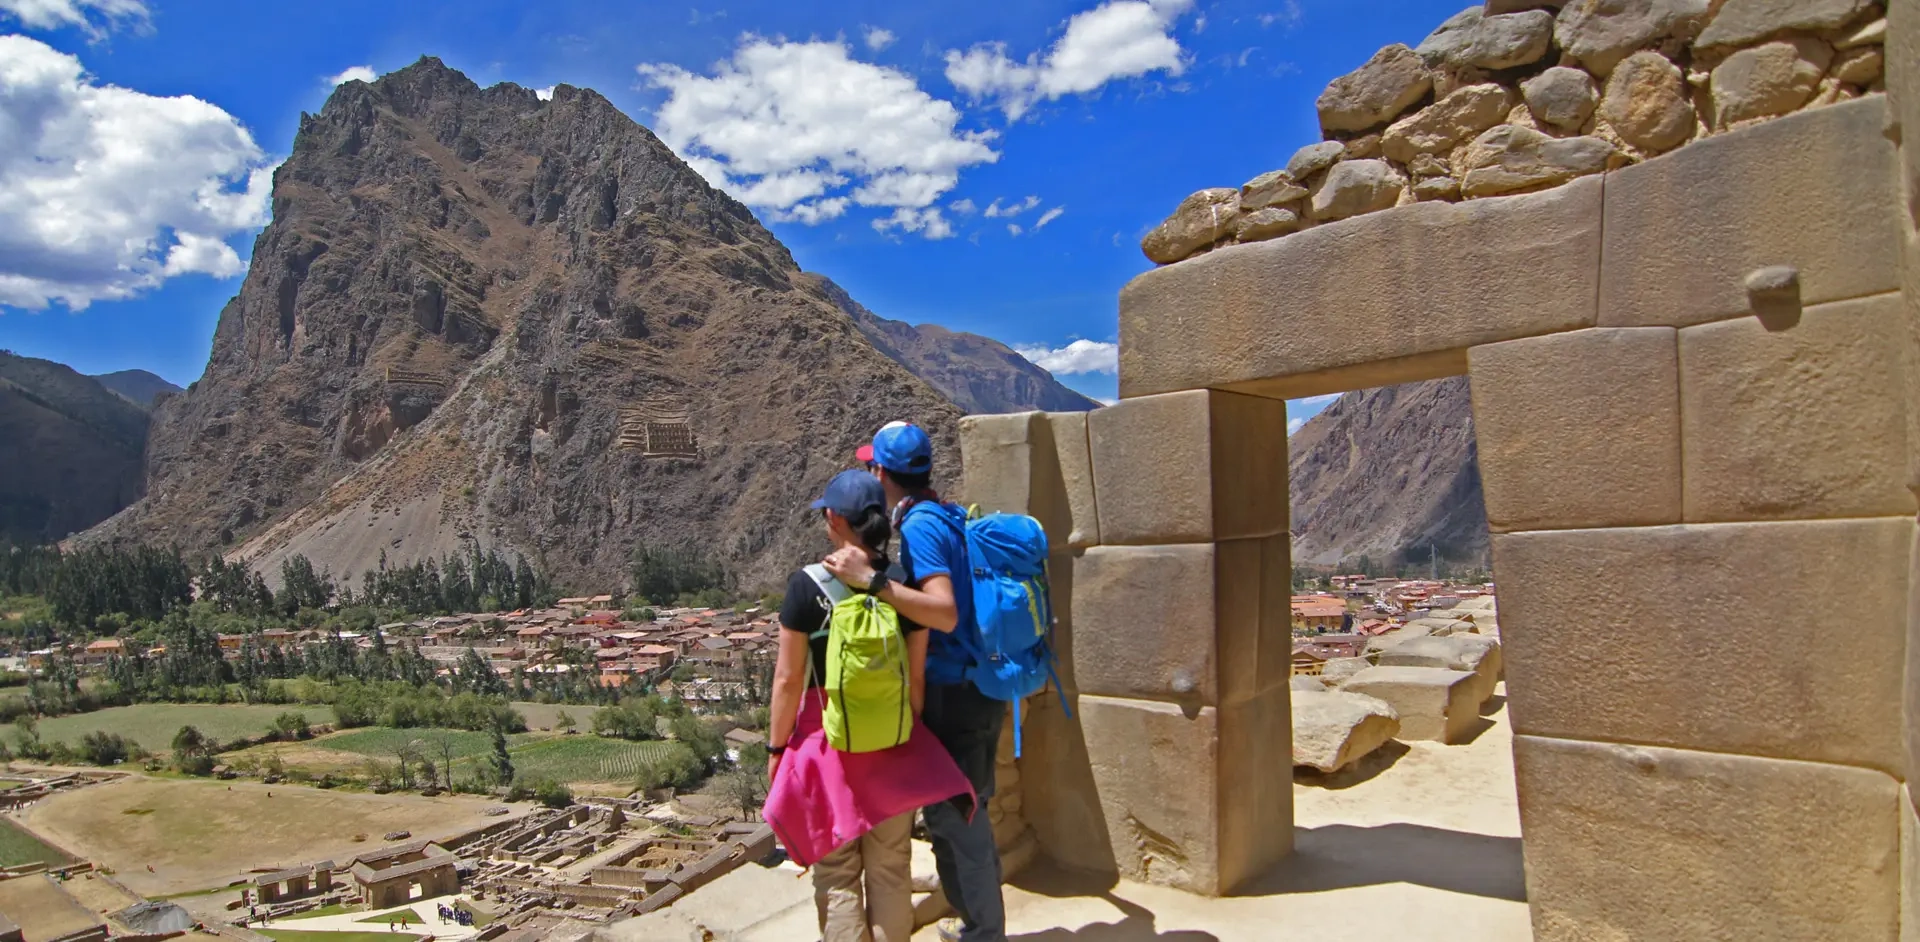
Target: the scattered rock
(1745, 22)
(1561, 97)
(1376, 92)
(1474, 653)
(1600, 33)
(1331, 729)
(1355, 188)
(397, 835)
(1364, 147)
(1508, 159)
(1647, 103)
(1336, 671)
(1769, 79)
(1429, 165)
(1273, 188)
(1472, 39)
(1314, 158)
(1306, 683)
(1447, 123)
(1861, 65)
(1201, 220)
(1271, 222)
(1874, 33)
(1437, 188)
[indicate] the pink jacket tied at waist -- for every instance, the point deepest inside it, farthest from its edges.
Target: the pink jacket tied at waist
(824, 798)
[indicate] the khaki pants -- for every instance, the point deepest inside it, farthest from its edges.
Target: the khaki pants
(885, 914)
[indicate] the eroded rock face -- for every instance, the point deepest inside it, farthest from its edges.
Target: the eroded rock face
(1314, 158)
(1600, 33)
(1647, 103)
(1354, 187)
(1743, 22)
(1333, 729)
(1473, 40)
(1267, 223)
(1450, 122)
(1769, 79)
(1561, 97)
(1375, 93)
(1273, 188)
(1201, 220)
(1510, 159)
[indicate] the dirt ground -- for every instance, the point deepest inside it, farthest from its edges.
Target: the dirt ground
(199, 834)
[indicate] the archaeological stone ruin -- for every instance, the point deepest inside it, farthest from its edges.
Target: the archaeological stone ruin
(1672, 244)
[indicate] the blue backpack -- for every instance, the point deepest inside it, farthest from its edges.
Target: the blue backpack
(1012, 640)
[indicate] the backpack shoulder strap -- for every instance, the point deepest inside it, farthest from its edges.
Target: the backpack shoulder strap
(835, 590)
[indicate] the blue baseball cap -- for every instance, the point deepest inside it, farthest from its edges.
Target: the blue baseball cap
(903, 449)
(852, 493)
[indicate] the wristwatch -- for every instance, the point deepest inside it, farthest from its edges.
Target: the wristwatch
(878, 583)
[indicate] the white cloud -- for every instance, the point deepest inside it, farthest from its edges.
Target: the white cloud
(544, 94)
(878, 39)
(1288, 17)
(1319, 400)
(1047, 217)
(1293, 425)
(53, 14)
(1080, 356)
(963, 207)
(928, 222)
(996, 211)
(106, 192)
(785, 125)
(1013, 229)
(1115, 40)
(355, 73)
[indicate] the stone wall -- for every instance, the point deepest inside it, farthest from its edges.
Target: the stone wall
(1515, 96)
(1696, 385)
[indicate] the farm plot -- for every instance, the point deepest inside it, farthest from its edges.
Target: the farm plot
(153, 724)
(584, 759)
(382, 741)
(19, 848)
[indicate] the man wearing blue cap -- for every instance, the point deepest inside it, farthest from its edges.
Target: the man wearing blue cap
(932, 550)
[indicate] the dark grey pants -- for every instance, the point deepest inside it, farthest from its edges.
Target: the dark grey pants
(968, 723)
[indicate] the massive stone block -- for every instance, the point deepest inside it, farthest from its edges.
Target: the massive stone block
(1333, 729)
(1580, 429)
(1727, 637)
(1684, 230)
(1195, 799)
(1474, 653)
(1034, 463)
(1189, 623)
(1635, 842)
(1433, 702)
(1909, 867)
(1190, 467)
(1804, 422)
(997, 460)
(1385, 298)
(1075, 462)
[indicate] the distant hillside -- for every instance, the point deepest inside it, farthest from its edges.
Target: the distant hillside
(983, 376)
(1389, 473)
(71, 450)
(142, 387)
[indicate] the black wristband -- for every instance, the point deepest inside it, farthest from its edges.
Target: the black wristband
(776, 750)
(878, 583)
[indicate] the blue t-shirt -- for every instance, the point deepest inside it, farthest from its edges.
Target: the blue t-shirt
(933, 546)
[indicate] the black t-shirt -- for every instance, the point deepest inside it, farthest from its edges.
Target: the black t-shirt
(805, 610)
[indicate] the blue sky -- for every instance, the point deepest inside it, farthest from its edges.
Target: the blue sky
(1096, 116)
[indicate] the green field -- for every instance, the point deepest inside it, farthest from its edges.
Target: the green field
(17, 847)
(153, 724)
(295, 935)
(381, 741)
(583, 759)
(547, 715)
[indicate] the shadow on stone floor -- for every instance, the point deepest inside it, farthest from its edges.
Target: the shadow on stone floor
(1493, 704)
(1367, 767)
(1137, 923)
(1338, 856)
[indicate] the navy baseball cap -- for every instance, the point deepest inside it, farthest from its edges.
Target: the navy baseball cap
(903, 449)
(852, 493)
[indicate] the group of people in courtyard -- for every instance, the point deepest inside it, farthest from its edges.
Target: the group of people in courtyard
(846, 811)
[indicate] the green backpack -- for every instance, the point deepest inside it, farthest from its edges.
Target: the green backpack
(867, 687)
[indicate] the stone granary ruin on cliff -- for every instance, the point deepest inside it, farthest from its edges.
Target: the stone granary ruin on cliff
(1672, 245)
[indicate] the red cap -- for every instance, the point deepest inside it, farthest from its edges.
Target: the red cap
(864, 454)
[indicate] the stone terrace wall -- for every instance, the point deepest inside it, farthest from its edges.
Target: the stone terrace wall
(1513, 97)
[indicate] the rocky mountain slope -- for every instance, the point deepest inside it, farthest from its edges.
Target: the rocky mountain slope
(139, 386)
(978, 373)
(70, 450)
(1389, 473)
(480, 316)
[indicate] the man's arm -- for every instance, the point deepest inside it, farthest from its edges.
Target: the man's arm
(931, 605)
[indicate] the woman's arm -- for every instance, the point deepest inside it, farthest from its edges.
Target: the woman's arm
(789, 684)
(917, 670)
